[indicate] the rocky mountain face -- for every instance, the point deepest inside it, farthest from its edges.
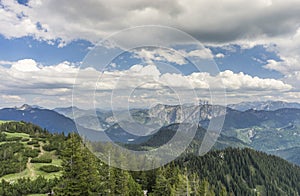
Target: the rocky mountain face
(156, 117)
(275, 132)
(180, 114)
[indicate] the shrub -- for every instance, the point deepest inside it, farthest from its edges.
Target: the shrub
(50, 168)
(36, 145)
(2, 137)
(31, 152)
(43, 140)
(25, 140)
(49, 147)
(32, 142)
(13, 139)
(41, 160)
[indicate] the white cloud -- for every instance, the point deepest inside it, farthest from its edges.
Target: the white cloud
(12, 98)
(27, 77)
(160, 54)
(294, 95)
(285, 66)
(144, 71)
(6, 62)
(220, 55)
(234, 81)
(25, 65)
(204, 53)
(167, 55)
(52, 85)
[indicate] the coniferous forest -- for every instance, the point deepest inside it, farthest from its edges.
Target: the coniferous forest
(61, 165)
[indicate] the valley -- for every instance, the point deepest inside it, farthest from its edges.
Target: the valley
(272, 131)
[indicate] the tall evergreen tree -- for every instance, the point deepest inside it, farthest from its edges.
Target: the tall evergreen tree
(78, 173)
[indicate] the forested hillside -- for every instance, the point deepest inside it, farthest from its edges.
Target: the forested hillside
(34, 161)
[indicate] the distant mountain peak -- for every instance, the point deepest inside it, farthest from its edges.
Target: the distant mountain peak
(24, 107)
(28, 107)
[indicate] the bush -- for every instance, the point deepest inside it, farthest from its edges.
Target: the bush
(10, 131)
(41, 160)
(31, 152)
(36, 145)
(32, 142)
(50, 168)
(43, 140)
(2, 137)
(25, 140)
(49, 147)
(13, 139)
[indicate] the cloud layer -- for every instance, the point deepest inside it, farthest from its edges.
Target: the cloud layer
(29, 81)
(272, 23)
(213, 21)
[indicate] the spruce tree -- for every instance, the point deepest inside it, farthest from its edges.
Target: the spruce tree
(78, 170)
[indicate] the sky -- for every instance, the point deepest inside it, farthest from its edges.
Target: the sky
(53, 53)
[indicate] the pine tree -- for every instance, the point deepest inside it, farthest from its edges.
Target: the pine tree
(183, 186)
(162, 185)
(78, 170)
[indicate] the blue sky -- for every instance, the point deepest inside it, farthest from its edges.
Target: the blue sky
(47, 54)
(43, 43)
(249, 61)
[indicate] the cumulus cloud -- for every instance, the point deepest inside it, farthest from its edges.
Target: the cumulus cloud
(170, 55)
(27, 80)
(25, 65)
(285, 65)
(160, 54)
(219, 55)
(289, 64)
(243, 81)
(204, 53)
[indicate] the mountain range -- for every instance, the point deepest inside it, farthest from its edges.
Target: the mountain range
(45, 118)
(273, 131)
(263, 105)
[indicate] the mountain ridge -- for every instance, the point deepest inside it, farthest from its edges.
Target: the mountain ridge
(264, 105)
(267, 131)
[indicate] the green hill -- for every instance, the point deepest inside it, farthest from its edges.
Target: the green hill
(33, 161)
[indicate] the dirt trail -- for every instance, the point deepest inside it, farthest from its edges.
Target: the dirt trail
(29, 167)
(41, 149)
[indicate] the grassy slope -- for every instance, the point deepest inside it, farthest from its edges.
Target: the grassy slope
(32, 171)
(1, 121)
(23, 135)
